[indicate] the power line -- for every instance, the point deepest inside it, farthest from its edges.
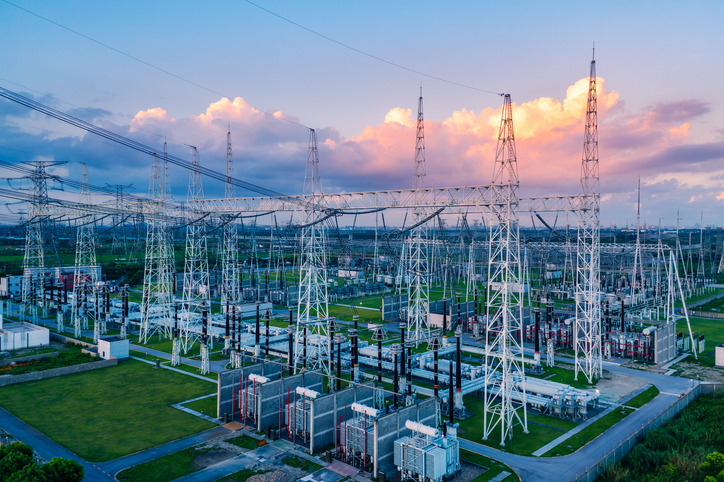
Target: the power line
(148, 64)
(112, 136)
(366, 54)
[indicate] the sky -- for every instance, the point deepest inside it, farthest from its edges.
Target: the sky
(191, 70)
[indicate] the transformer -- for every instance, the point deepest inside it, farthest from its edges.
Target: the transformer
(427, 456)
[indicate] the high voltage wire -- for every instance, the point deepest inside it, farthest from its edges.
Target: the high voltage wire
(366, 54)
(74, 121)
(148, 64)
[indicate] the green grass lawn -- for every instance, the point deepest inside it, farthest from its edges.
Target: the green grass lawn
(713, 330)
(207, 406)
(589, 433)
(643, 398)
(304, 464)
(108, 413)
(242, 475)
(243, 441)
(543, 430)
(565, 375)
(494, 467)
(163, 469)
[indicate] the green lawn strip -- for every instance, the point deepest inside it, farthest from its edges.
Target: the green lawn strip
(163, 469)
(693, 299)
(643, 398)
(345, 313)
(544, 430)
(207, 406)
(196, 371)
(70, 355)
(108, 413)
(299, 463)
(494, 467)
(589, 433)
(562, 374)
(243, 441)
(713, 331)
(242, 475)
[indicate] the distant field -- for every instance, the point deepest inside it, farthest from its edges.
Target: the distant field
(105, 414)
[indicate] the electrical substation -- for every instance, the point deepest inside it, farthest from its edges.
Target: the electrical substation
(384, 395)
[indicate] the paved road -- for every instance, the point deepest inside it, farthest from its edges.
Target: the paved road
(566, 468)
(48, 449)
(115, 466)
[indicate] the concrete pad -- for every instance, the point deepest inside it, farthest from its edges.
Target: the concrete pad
(233, 426)
(343, 469)
(323, 475)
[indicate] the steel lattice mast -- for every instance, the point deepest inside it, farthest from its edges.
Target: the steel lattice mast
(504, 399)
(587, 343)
(34, 259)
(85, 274)
(157, 277)
(230, 279)
(313, 305)
(196, 292)
(418, 292)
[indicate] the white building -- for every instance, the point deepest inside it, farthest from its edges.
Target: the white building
(719, 356)
(11, 286)
(113, 347)
(16, 336)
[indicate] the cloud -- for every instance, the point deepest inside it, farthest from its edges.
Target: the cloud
(653, 143)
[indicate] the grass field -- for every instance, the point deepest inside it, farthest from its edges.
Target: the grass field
(589, 433)
(494, 467)
(163, 469)
(207, 406)
(713, 330)
(304, 464)
(643, 398)
(564, 374)
(108, 413)
(542, 429)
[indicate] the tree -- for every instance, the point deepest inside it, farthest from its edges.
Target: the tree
(14, 459)
(63, 470)
(714, 464)
(29, 473)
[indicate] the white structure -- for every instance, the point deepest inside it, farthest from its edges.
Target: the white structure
(17, 336)
(719, 354)
(113, 347)
(11, 286)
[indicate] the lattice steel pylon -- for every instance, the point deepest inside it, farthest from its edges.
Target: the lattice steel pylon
(34, 259)
(117, 243)
(230, 276)
(313, 304)
(587, 333)
(157, 275)
(418, 289)
(196, 292)
(85, 273)
(504, 375)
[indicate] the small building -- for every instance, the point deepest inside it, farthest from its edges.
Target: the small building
(719, 356)
(21, 335)
(113, 347)
(11, 286)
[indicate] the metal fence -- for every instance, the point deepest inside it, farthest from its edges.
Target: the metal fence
(657, 421)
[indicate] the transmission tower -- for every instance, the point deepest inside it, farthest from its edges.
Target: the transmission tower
(504, 390)
(34, 259)
(118, 243)
(587, 333)
(85, 273)
(196, 293)
(313, 305)
(230, 279)
(157, 275)
(418, 291)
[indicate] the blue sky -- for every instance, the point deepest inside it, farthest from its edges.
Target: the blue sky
(652, 54)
